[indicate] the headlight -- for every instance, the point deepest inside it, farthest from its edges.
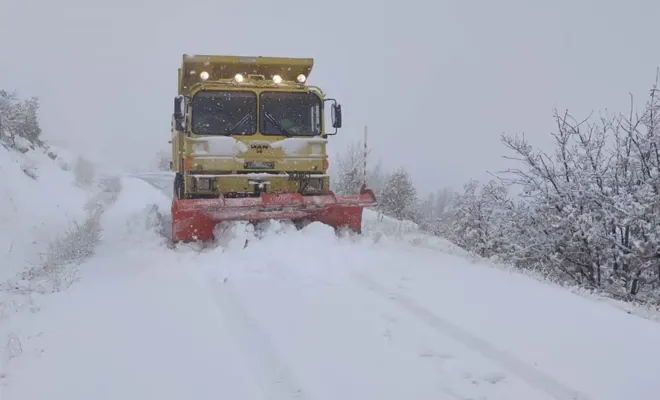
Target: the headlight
(204, 183)
(277, 79)
(199, 147)
(301, 78)
(312, 185)
(204, 75)
(238, 78)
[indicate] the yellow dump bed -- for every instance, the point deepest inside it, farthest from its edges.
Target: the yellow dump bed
(226, 67)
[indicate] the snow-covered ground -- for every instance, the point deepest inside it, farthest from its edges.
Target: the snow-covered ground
(39, 199)
(304, 314)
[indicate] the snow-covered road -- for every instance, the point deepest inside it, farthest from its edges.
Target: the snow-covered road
(307, 315)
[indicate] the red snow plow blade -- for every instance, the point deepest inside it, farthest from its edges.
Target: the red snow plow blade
(195, 219)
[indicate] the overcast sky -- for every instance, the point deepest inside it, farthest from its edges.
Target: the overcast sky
(436, 81)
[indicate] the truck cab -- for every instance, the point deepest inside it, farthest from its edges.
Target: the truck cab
(243, 126)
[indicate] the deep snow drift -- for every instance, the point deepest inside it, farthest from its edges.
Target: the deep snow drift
(40, 198)
(307, 315)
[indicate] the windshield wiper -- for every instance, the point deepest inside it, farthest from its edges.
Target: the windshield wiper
(281, 128)
(239, 123)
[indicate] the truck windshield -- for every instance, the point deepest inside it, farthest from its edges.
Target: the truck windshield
(224, 113)
(290, 114)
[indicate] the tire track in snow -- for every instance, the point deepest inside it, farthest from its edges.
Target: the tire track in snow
(272, 375)
(533, 377)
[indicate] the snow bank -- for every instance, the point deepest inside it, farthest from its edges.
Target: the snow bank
(129, 221)
(397, 232)
(400, 233)
(39, 200)
(49, 208)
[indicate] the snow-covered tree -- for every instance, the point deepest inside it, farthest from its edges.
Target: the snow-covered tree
(481, 218)
(349, 175)
(595, 208)
(435, 211)
(427, 208)
(164, 160)
(444, 199)
(18, 119)
(587, 213)
(399, 197)
(376, 178)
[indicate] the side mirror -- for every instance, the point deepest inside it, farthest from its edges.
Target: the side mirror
(336, 115)
(178, 112)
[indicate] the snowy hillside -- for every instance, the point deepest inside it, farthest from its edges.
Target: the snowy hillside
(48, 194)
(39, 200)
(393, 314)
(49, 210)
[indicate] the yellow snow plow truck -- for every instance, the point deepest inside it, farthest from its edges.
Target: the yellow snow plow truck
(249, 143)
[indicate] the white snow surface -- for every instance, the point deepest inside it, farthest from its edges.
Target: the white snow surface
(219, 146)
(228, 146)
(40, 198)
(295, 146)
(392, 314)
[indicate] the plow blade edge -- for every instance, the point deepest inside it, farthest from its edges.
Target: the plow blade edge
(195, 219)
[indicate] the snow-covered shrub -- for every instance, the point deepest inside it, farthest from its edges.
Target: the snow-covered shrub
(349, 167)
(588, 214)
(348, 172)
(164, 160)
(480, 219)
(19, 127)
(399, 197)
